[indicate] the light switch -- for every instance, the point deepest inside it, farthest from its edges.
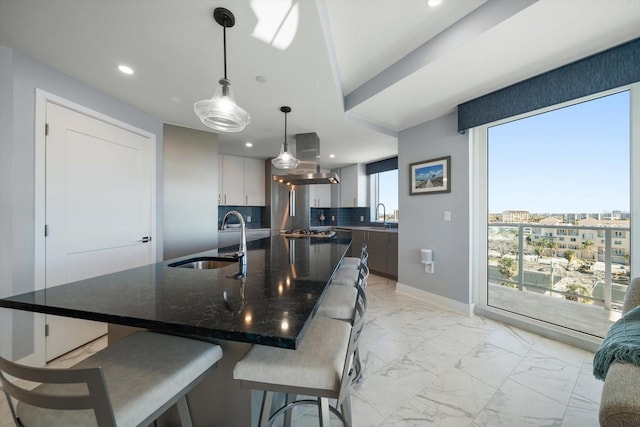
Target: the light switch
(447, 215)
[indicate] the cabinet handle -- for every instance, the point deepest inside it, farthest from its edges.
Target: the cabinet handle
(246, 199)
(355, 203)
(225, 199)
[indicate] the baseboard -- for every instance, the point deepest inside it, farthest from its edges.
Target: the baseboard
(440, 301)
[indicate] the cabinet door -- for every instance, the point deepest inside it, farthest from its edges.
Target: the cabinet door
(392, 254)
(357, 238)
(220, 179)
(320, 195)
(353, 186)
(348, 185)
(233, 180)
(378, 251)
(254, 182)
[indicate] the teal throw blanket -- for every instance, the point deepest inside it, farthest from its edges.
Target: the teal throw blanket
(622, 344)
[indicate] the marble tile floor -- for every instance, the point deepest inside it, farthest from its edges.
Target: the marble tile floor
(426, 366)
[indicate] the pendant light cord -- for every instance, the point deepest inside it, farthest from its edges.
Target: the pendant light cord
(224, 44)
(286, 146)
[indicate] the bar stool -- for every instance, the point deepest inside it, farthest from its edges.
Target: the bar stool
(348, 275)
(130, 383)
(339, 300)
(354, 261)
(323, 366)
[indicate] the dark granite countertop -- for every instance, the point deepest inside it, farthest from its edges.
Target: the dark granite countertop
(272, 305)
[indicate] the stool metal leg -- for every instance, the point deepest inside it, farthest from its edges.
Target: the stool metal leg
(323, 411)
(265, 411)
(345, 409)
(288, 415)
(184, 412)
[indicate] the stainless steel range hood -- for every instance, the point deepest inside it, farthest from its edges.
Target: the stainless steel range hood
(308, 171)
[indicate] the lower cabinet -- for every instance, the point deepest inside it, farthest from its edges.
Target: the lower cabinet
(382, 247)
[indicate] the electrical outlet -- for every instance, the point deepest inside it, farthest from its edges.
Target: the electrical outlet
(361, 218)
(248, 218)
(333, 218)
(447, 215)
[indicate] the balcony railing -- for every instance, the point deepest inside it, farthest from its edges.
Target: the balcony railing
(605, 272)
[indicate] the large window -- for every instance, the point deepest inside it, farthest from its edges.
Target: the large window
(557, 195)
(384, 190)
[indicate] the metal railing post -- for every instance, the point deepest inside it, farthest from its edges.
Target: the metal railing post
(520, 258)
(607, 269)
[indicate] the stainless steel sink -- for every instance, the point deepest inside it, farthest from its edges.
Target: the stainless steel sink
(204, 263)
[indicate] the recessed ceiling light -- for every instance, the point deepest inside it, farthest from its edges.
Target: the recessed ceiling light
(125, 69)
(332, 156)
(248, 144)
(433, 3)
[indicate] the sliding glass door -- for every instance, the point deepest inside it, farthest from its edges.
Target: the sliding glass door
(558, 202)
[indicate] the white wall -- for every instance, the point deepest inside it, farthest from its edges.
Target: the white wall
(190, 191)
(421, 216)
(20, 75)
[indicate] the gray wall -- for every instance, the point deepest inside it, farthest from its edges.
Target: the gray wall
(20, 75)
(190, 191)
(421, 216)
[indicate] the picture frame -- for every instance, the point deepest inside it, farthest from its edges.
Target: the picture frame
(430, 176)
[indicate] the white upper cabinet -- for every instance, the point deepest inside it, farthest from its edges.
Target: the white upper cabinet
(241, 181)
(353, 186)
(254, 182)
(320, 194)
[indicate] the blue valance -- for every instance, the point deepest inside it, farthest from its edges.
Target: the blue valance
(382, 165)
(603, 71)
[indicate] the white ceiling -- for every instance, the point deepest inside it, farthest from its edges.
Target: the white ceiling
(354, 71)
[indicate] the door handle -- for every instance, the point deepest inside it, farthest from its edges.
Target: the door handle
(292, 203)
(145, 239)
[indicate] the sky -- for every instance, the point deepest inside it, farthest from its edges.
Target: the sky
(572, 160)
(388, 190)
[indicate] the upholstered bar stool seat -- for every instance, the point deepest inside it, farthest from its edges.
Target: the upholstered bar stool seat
(350, 261)
(316, 364)
(338, 303)
(144, 374)
(345, 276)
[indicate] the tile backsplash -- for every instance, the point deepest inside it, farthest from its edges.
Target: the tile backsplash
(342, 216)
(256, 213)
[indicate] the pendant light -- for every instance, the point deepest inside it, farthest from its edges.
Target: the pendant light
(221, 112)
(285, 160)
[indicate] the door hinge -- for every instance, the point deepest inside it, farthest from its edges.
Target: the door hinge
(46, 230)
(46, 330)
(46, 129)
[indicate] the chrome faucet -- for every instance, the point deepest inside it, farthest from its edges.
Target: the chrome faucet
(242, 249)
(384, 214)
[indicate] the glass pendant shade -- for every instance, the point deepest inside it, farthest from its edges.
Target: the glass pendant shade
(221, 112)
(285, 159)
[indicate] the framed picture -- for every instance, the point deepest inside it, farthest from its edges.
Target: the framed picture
(431, 176)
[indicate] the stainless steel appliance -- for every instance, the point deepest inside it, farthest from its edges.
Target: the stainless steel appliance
(288, 191)
(308, 171)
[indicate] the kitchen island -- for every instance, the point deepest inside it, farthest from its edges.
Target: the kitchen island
(272, 303)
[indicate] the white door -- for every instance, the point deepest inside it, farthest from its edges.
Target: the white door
(98, 210)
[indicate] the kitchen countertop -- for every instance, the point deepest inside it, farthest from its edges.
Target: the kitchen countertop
(272, 305)
(367, 228)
